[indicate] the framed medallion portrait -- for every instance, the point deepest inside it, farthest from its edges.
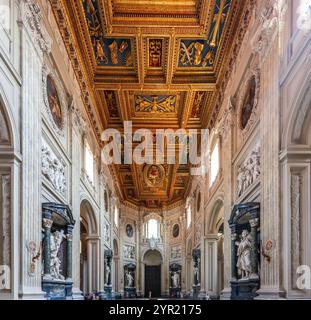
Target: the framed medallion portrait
(248, 102)
(176, 230)
(129, 230)
(54, 102)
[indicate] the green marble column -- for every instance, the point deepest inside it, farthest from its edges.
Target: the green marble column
(69, 253)
(234, 275)
(254, 250)
(47, 224)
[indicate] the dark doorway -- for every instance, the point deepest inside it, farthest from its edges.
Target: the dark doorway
(153, 281)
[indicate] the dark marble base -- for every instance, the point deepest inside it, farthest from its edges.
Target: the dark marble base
(57, 289)
(244, 289)
(130, 293)
(175, 292)
(196, 292)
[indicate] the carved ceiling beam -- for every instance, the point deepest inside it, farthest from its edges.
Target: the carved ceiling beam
(155, 87)
(186, 110)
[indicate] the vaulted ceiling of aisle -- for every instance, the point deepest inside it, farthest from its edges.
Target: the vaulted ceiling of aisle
(157, 63)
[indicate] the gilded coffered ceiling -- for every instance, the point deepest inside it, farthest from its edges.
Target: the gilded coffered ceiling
(157, 63)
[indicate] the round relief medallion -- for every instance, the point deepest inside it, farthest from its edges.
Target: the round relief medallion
(154, 175)
(54, 102)
(176, 230)
(129, 230)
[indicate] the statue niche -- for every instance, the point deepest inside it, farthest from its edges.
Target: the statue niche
(245, 249)
(196, 258)
(129, 280)
(57, 224)
(175, 280)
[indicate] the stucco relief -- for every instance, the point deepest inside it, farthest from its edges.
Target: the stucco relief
(249, 171)
(176, 253)
(129, 252)
(198, 233)
(32, 17)
(106, 232)
(53, 169)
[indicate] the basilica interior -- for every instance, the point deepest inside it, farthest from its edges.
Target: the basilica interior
(234, 225)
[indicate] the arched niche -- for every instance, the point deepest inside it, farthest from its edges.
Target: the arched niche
(9, 168)
(214, 246)
(89, 249)
(295, 158)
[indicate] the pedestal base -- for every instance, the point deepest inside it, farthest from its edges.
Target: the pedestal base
(270, 294)
(196, 292)
(57, 289)
(175, 292)
(244, 289)
(225, 294)
(130, 293)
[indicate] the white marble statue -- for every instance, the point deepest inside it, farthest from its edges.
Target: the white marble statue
(176, 280)
(107, 274)
(55, 242)
(244, 255)
(129, 279)
(196, 273)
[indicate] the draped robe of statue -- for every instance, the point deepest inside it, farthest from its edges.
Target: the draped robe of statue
(244, 255)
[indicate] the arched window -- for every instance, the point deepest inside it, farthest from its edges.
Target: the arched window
(89, 162)
(153, 229)
(189, 216)
(214, 163)
(116, 216)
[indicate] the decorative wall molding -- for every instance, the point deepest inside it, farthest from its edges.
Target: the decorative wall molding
(295, 226)
(53, 169)
(78, 121)
(249, 171)
(32, 17)
(227, 119)
(271, 21)
(5, 219)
